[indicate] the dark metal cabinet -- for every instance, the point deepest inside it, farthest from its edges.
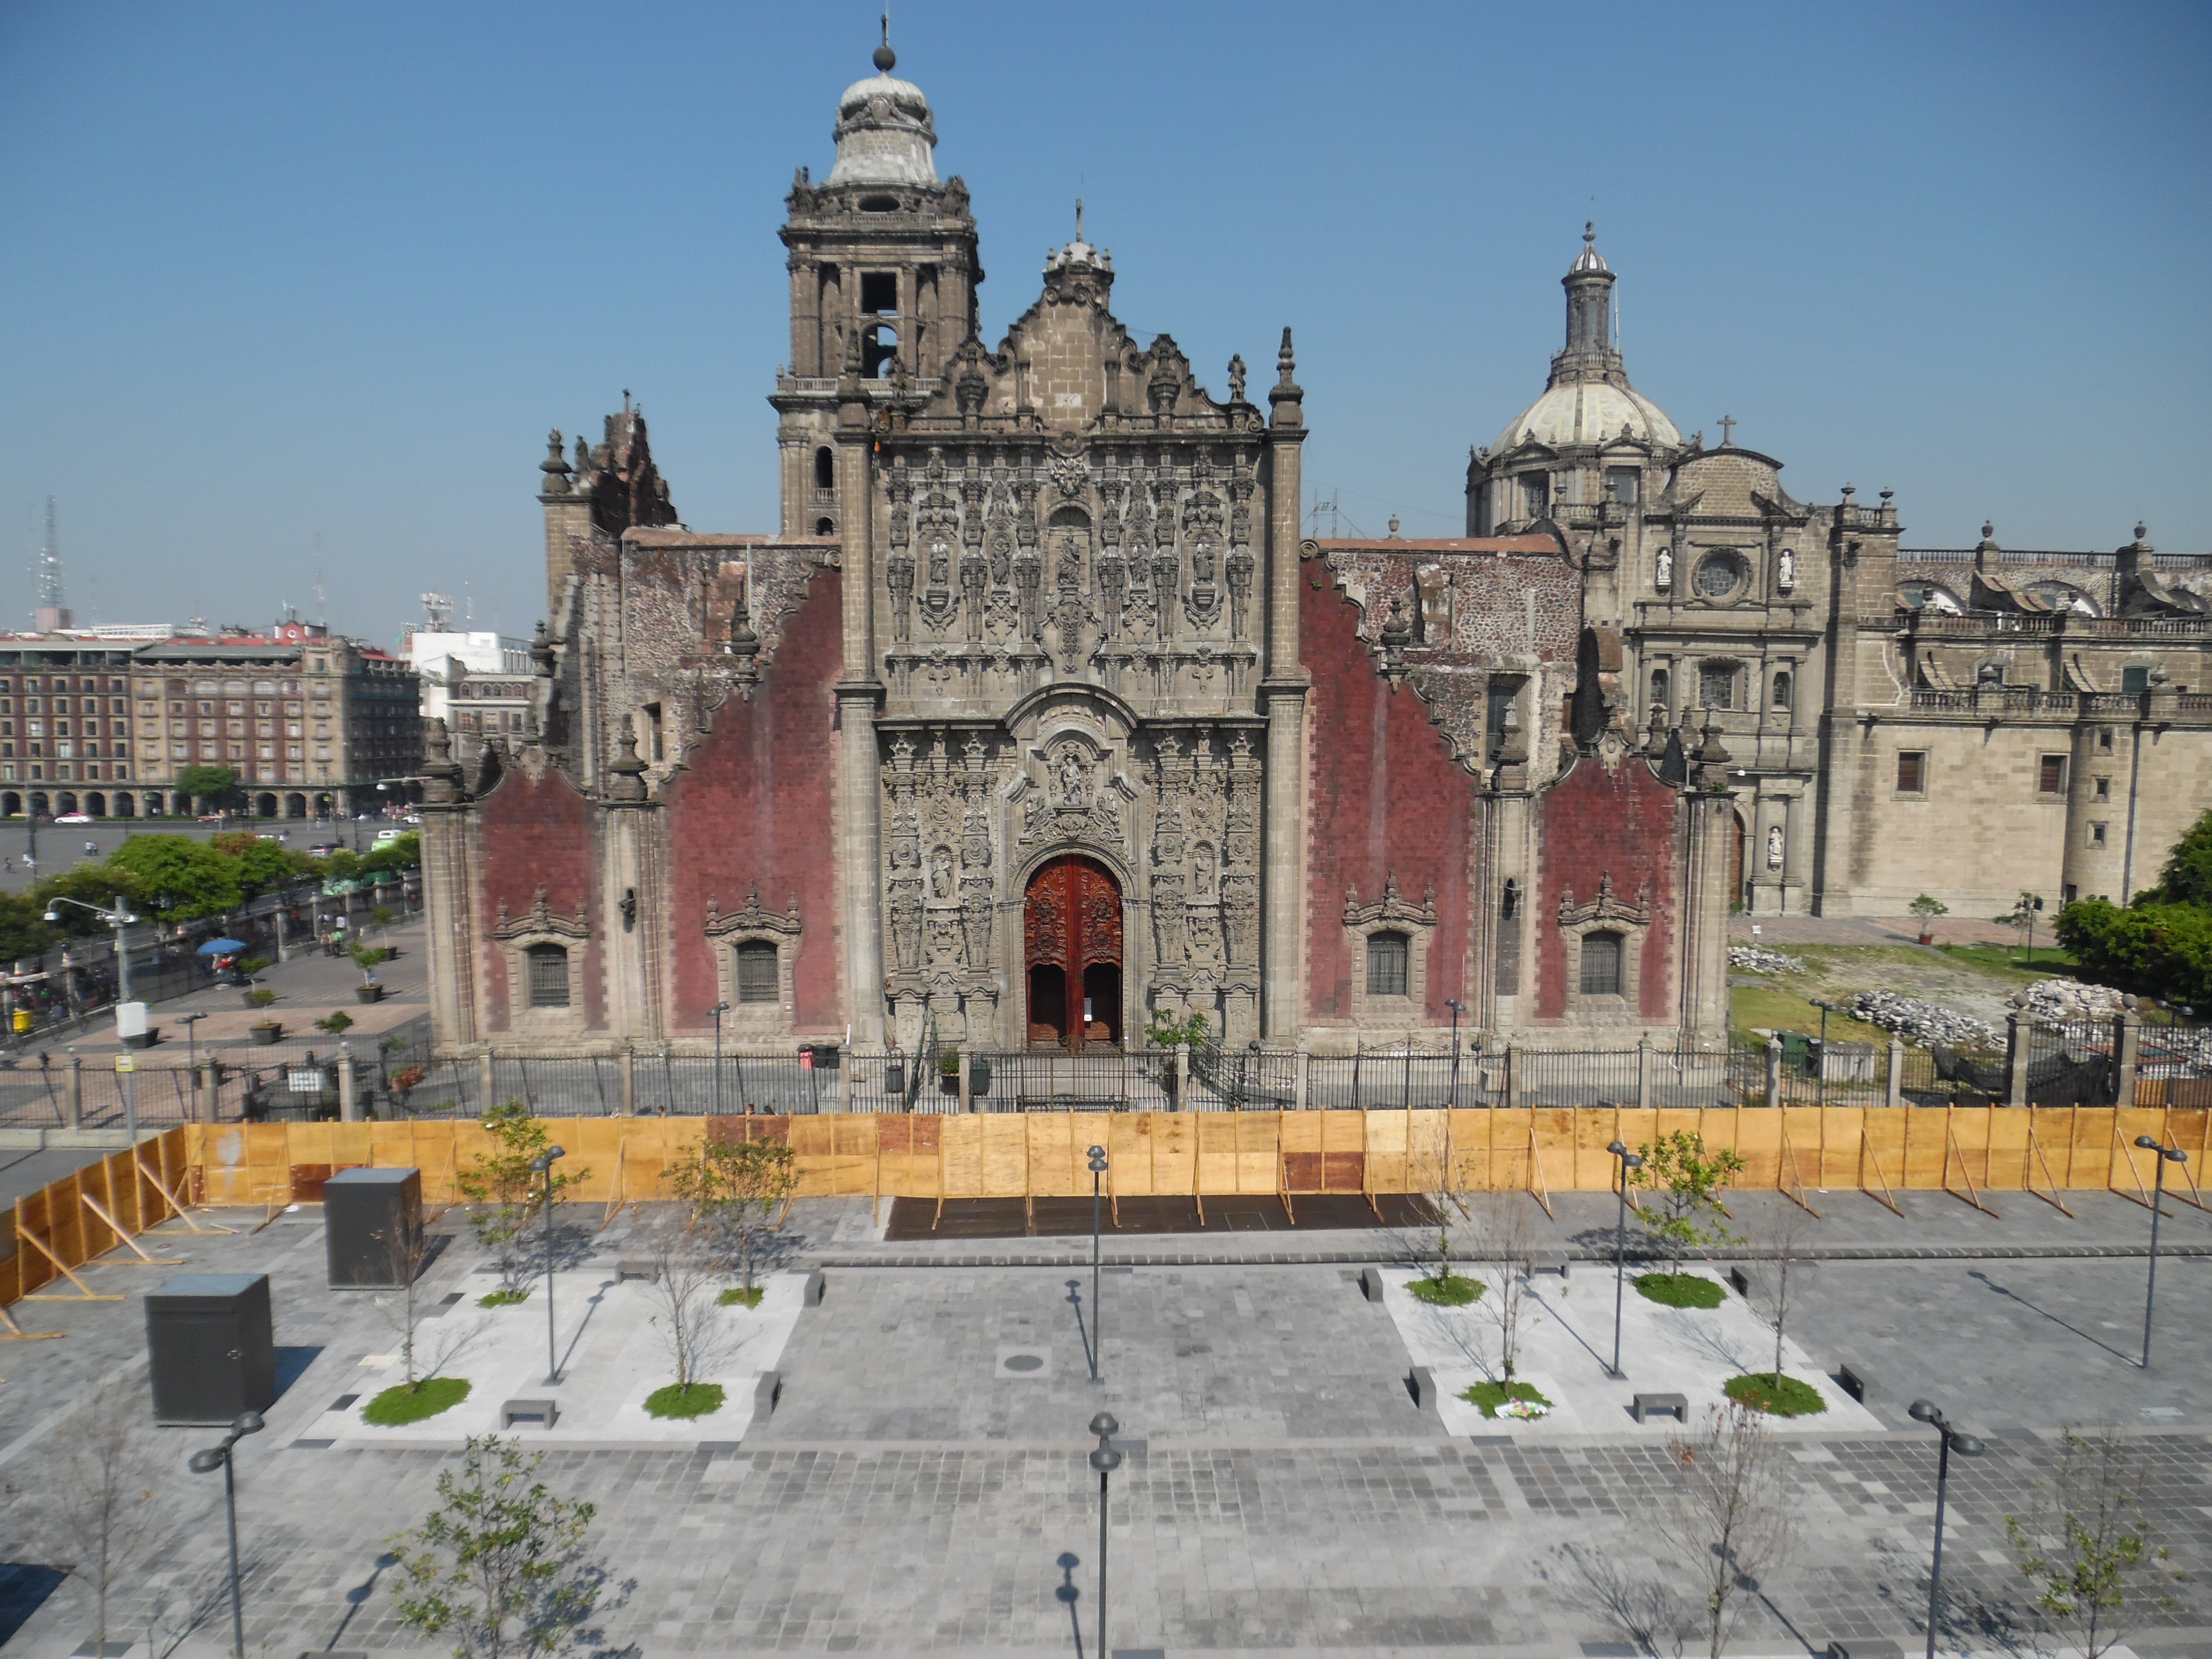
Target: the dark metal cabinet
(372, 1227)
(213, 1346)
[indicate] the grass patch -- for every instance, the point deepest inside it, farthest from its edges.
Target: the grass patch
(396, 1407)
(1790, 1398)
(735, 1298)
(1751, 1007)
(1680, 1290)
(503, 1299)
(1491, 1396)
(1453, 1290)
(676, 1400)
(2042, 963)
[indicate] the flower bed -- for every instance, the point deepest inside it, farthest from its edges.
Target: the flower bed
(1518, 1400)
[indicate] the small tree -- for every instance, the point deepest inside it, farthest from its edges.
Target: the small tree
(505, 1195)
(102, 1507)
(1928, 909)
(405, 1247)
(685, 1265)
(735, 1189)
(369, 958)
(1504, 1239)
(1725, 1515)
(1685, 1176)
(500, 1562)
(2088, 1549)
(1782, 1235)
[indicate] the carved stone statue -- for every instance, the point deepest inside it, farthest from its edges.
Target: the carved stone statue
(1074, 779)
(1774, 846)
(1786, 570)
(940, 873)
(1666, 569)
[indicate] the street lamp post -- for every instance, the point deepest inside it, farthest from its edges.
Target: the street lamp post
(2165, 1155)
(1966, 1446)
(1820, 1088)
(118, 917)
(1098, 1169)
(193, 1058)
(1628, 1161)
(1105, 1460)
(1451, 1099)
(717, 1010)
(207, 1462)
(543, 1164)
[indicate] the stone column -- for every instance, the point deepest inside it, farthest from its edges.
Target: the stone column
(2016, 1051)
(1305, 1060)
(628, 1083)
(859, 696)
(76, 1091)
(1643, 1072)
(1774, 1071)
(348, 1099)
(484, 1079)
(1704, 1001)
(966, 1100)
(1283, 701)
(2127, 1044)
(1896, 1073)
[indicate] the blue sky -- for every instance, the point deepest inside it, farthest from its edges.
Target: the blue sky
(296, 286)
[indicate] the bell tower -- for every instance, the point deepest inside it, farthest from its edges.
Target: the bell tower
(884, 274)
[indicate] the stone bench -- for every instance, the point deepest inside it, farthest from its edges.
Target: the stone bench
(766, 1392)
(636, 1267)
(1550, 1261)
(1647, 1405)
(1853, 1381)
(1422, 1385)
(816, 1282)
(1372, 1283)
(546, 1413)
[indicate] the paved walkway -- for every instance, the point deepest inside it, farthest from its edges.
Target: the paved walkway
(1869, 929)
(1281, 1493)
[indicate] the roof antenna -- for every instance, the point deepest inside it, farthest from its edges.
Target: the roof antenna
(886, 59)
(1079, 218)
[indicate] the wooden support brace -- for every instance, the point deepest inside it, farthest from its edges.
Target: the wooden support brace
(616, 1200)
(1537, 1185)
(1950, 1145)
(2028, 1174)
(86, 1293)
(2142, 1193)
(125, 1239)
(1282, 1182)
(15, 1332)
(1798, 1196)
(175, 1204)
(1885, 1196)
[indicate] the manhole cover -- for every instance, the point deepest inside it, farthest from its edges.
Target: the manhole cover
(1025, 1362)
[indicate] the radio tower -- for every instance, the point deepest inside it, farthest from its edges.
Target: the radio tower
(52, 613)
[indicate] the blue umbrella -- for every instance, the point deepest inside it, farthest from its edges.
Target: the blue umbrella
(223, 947)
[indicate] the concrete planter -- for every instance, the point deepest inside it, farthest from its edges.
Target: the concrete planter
(369, 994)
(264, 1036)
(145, 1039)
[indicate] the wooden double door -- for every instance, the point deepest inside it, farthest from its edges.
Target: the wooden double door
(1072, 946)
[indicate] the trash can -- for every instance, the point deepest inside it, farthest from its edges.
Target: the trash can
(372, 1227)
(212, 1346)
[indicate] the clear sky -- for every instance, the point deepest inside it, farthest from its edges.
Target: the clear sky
(296, 287)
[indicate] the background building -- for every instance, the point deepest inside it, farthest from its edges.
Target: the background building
(481, 685)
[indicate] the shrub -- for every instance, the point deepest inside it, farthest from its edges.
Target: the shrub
(1783, 1396)
(736, 1297)
(260, 996)
(503, 1299)
(1451, 1290)
(399, 1404)
(2158, 950)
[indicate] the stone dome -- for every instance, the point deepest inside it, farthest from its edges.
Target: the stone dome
(884, 133)
(1588, 413)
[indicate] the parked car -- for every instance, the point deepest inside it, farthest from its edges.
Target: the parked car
(322, 849)
(383, 836)
(74, 817)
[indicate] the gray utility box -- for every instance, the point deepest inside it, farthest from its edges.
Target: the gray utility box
(372, 1225)
(213, 1348)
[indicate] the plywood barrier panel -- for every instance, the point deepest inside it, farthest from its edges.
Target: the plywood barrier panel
(1386, 1132)
(1881, 1143)
(2093, 1147)
(1303, 1133)
(1554, 1170)
(1005, 1156)
(1258, 1151)
(960, 1158)
(2006, 1148)
(1755, 1136)
(1053, 1155)
(1594, 1129)
(1428, 1153)
(1217, 1151)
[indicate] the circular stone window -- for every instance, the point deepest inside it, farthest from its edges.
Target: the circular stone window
(1720, 574)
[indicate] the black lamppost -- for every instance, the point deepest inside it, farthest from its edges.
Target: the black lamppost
(1458, 1008)
(192, 1059)
(1628, 1161)
(717, 1010)
(1098, 1169)
(1966, 1446)
(2165, 1155)
(1105, 1460)
(543, 1163)
(207, 1462)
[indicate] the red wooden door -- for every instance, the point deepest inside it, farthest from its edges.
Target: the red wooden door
(1072, 944)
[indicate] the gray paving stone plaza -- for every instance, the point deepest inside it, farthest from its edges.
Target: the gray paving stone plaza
(1281, 1491)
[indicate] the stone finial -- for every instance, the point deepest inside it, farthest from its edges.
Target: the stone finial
(885, 59)
(441, 773)
(627, 773)
(541, 652)
(555, 468)
(744, 644)
(2142, 530)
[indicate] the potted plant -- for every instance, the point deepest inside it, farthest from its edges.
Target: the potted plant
(265, 1033)
(259, 997)
(1166, 1033)
(366, 958)
(1928, 909)
(948, 1071)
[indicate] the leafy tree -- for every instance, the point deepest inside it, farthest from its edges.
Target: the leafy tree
(685, 1262)
(89, 884)
(735, 1188)
(402, 852)
(505, 1195)
(2087, 1550)
(23, 933)
(2160, 949)
(183, 877)
(264, 868)
(369, 958)
(500, 1562)
(1685, 1176)
(234, 842)
(2187, 877)
(208, 783)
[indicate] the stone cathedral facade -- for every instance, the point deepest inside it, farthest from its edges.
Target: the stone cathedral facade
(1036, 719)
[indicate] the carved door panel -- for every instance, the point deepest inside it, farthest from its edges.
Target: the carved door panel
(1071, 945)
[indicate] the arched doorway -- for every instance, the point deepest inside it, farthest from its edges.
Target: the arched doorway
(1071, 947)
(264, 806)
(96, 805)
(295, 806)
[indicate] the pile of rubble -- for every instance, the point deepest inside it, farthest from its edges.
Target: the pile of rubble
(2059, 1001)
(1922, 1023)
(1754, 960)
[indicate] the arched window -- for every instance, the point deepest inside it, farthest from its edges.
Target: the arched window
(878, 345)
(825, 469)
(1601, 964)
(826, 527)
(1781, 689)
(549, 975)
(1661, 686)
(1386, 965)
(757, 980)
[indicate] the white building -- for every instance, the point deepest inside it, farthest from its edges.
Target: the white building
(478, 683)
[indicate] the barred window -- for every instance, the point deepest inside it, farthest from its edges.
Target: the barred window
(1601, 964)
(1912, 772)
(756, 972)
(1386, 965)
(548, 977)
